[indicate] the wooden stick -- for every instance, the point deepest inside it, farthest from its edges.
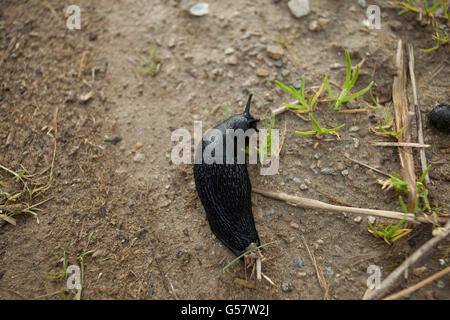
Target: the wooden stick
(366, 165)
(8, 50)
(322, 282)
(423, 159)
(399, 144)
(8, 219)
(315, 204)
(419, 255)
(401, 110)
(258, 268)
(419, 285)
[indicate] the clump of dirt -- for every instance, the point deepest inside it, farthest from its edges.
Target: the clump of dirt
(113, 181)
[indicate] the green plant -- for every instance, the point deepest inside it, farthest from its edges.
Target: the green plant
(438, 39)
(227, 111)
(389, 124)
(430, 11)
(153, 64)
(318, 130)
(247, 252)
(60, 273)
(390, 234)
(400, 185)
(304, 103)
(396, 182)
(350, 81)
(81, 259)
(376, 104)
(446, 13)
(407, 7)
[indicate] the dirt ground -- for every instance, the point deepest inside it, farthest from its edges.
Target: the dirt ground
(113, 181)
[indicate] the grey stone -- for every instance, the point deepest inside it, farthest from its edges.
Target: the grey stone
(299, 8)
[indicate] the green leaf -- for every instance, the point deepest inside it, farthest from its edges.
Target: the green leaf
(359, 93)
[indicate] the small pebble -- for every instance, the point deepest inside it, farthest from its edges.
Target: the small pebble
(344, 172)
(287, 287)
(138, 146)
(299, 262)
(200, 9)
(275, 52)
(270, 213)
(357, 219)
(303, 187)
(294, 225)
(262, 72)
(298, 85)
(231, 60)
(278, 63)
(139, 157)
(115, 140)
(299, 8)
(92, 36)
(141, 233)
(285, 73)
(327, 171)
(314, 26)
(229, 51)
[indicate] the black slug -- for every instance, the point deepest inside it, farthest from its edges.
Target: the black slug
(439, 117)
(225, 191)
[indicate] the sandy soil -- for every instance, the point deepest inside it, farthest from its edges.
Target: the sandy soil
(113, 181)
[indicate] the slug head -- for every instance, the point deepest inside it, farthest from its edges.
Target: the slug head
(242, 121)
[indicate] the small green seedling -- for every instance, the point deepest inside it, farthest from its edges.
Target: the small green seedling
(349, 84)
(411, 6)
(227, 111)
(81, 259)
(153, 64)
(304, 103)
(389, 124)
(318, 130)
(439, 40)
(267, 146)
(390, 234)
(430, 11)
(395, 182)
(376, 105)
(447, 14)
(247, 252)
(60, 273)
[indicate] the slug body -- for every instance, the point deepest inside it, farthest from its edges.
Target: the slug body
(225, 192)
(439, 117)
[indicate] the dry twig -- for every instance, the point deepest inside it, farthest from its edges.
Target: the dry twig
(419, 285)
(419, 255)
(423, 159)
(315, 204)
(401, 110)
